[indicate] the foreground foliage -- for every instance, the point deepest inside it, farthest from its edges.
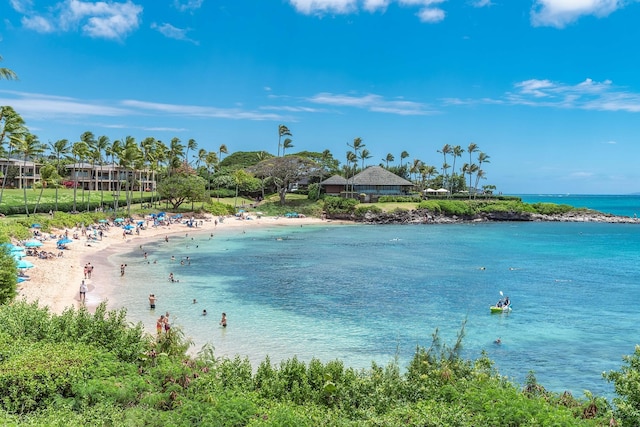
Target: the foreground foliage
(80, 369)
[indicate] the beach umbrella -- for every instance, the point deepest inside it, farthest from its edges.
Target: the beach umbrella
(22, 279)
(140, 222)
(128, 227)
(118, 220)
(36, 225)
(103, 221)
(33, 243)
(17, 255)
(24, 264)
(64, 241)
(16, 249)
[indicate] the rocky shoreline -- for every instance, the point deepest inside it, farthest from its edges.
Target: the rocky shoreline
(424, 216)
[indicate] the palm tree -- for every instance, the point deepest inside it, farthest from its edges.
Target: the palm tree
(7, 74)
(457, 152)
(427, 172)
(403, 156)
(80, 151)
(129, 160)
(176, 153)
(364, 155)
(470, 169)
(100, 147)
(191, 145)
(415, 168)
(472, 148)
(446, 149)
(202, 153)
(388, 159)
(30, 147)
(282, 131)
(147, 149)
(114, 151)
(11, 126)
(89, 139)
(211, 160)
(59, 149)
(482, 158)
(287, 143)
(159, 157)
(223, 150)
(351, 158)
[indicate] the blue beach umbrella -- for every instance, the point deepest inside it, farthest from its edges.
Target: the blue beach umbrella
(64, 241)
(16, 249)
(33, 243)
(36, 225)
(22, 279)
(118, 220)
(25, 264)
(128, 227)
(103, 221)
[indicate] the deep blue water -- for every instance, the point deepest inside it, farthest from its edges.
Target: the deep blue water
(364, 293)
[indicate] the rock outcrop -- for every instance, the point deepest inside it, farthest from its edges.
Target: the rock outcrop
(424, 216)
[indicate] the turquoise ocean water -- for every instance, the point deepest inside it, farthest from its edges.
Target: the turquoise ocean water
(364, 293)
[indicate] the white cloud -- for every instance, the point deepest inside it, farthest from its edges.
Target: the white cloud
(172, 32)
(40, 105)
(109, 20)
(586, 95)
(309, 7)
(431, 15)
(101, 19)
(372, 102)
(559, 13)
(481, 3)
(184, 5)
(38, 23)
(21, 6)
(199, 111)
(426, 12)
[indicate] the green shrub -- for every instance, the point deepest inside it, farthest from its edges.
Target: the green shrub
(551, 208)
(400, 199)
(339, 205)
(362, 210)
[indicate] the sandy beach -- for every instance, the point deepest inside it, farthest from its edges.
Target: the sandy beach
(55, 282)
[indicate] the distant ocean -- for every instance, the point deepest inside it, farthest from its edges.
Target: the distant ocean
(363, 293)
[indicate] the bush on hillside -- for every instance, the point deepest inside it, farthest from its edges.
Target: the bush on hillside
(339, 205)
(362, 210)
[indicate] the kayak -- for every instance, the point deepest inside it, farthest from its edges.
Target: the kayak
(496, 309)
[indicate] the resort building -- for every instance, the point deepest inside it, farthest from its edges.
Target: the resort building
(19, 173)
(107, 177)
(373, 182)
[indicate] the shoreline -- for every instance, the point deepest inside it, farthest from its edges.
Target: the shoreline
(55, 282)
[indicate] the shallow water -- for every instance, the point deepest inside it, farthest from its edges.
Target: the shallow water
(364, 293)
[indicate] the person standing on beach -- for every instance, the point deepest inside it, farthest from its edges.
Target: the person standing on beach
(89, 270)
(83, 291)
(166, 323)
(160, 324)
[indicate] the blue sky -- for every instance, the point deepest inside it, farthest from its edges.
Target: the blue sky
(549, 89)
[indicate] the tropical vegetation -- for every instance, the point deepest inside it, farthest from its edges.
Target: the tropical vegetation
(79, 368)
